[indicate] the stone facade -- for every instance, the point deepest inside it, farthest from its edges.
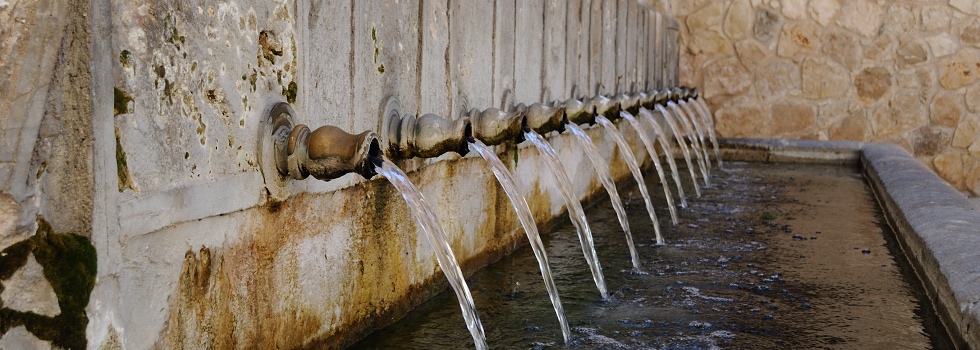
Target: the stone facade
(903, 71)
(134, 212)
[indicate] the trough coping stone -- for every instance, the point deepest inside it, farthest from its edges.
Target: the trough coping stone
(937, 226)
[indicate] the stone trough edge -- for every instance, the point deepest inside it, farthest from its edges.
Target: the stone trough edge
(937, 226)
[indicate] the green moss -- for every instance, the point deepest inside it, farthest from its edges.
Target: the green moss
(69, 263)
(381, 69)
(767, 217)
(252, 79)
(161, 71)
(125, 58)
(121, 102)
(122, 169)
(374, 34)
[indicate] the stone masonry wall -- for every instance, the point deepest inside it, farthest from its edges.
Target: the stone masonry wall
(891, 71)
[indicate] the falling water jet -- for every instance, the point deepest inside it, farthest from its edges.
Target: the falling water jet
(683, 121)
(426, 218)
(656, 162)
(527, 221)
(605, 177)
(669, 118)
(575, 211)
(710, 123)
(635, 169)
(699, 126)
(666, 146)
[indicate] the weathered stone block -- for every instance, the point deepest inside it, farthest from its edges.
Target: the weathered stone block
(959, 70)
(872, 83)
(845, 48)
(779, 78)
(738, 22)
(970, 35)
(903, 112)
(823, 78)
(945, 109)
(942, 45)
(744, 118)
(794, 9)
(949, 166)
(971, 7)
(726, 76)
(929, 140)
(854, 127)
(861, 16)
(934, 17)
(766, 24)
(823, 11)
(973, 98)
(911, 53)
(792, 118)
(799, 38)
(705, 27)
(966, 131)
(899, 19)
(752, 54)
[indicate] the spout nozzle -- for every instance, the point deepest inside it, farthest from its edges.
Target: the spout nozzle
(493, 126)
(544, 118)
(325, 153)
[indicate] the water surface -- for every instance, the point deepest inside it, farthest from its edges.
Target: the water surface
(773, 257)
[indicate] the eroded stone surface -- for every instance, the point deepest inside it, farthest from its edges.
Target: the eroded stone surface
(967, 131)
(967, 6)
(751, 53)
(945, 109)
(899, 19)
(861, 16)
(823, 11)
(19, 338)
(794, 9)
(934, 17)
(845, 48)
(726, 76)
(959, 70)
(872, 83)
(942, 45)
(853, 128)
(970, 35)
(792, 118)
(705, 27)
(973, 98)
(28, 291)
(740, 18)
(766, 24)
(798, 38)
(9, 210)
(743, 118)
(929, 140)
(779, 78)
(911, 53)
(823, 78)
(904, 111)
(949, 166)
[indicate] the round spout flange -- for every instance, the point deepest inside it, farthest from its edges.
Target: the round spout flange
(275, 132)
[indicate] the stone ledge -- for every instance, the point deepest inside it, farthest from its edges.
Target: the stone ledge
(936, 225)
(939, 228)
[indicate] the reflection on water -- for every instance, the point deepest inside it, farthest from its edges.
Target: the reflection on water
(776, 256)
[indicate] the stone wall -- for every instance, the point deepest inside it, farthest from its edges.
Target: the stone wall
(894, 71)
(133, 209)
